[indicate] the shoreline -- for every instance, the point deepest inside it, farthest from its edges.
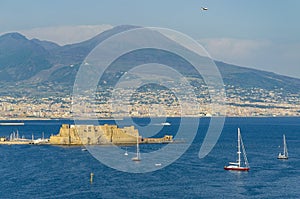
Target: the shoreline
(2, 120)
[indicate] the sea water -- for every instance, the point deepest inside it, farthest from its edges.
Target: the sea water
(45, 171)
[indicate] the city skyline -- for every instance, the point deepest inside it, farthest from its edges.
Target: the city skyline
(262, 35)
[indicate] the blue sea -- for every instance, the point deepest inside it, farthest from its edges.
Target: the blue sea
(45, 171)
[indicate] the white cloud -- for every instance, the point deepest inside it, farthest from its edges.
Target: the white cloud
(65, 34)
(233, 49)
(275, 56)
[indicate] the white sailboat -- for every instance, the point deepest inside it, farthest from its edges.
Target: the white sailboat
(285, 154)
(138, 156)
(126, 153)
(237, 166)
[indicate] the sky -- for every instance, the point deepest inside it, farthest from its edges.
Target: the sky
(261, 34)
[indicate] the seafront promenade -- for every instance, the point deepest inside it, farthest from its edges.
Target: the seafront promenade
(14, 142)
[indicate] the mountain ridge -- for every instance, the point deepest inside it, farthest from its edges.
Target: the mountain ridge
(47, 63)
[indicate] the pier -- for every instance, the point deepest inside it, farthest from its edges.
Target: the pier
(14, 139)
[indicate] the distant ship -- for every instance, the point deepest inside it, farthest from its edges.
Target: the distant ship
(166, 124)
(237, 166)
(12, 123)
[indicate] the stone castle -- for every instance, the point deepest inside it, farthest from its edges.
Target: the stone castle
(94, 135)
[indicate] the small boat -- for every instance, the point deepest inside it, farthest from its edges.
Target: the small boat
(237, 166)
(285, 154)
(126, 153)
(138, 156)
(158, 164)
(166, 124)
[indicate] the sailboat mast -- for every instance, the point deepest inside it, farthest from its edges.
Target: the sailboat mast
(137, 147)
(284, 146)
(137, 158)
(137, 143)
(239, 147)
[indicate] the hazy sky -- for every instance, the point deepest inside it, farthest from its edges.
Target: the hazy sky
(263, 34)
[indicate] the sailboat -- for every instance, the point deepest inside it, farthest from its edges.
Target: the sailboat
(138, 156)
(285, 151)
(237, 166)
(126, 153)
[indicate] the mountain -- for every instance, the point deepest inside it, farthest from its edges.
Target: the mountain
(21, 58)
(33, 60)
(33, 64)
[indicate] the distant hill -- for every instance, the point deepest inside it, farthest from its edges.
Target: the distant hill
(33, 64)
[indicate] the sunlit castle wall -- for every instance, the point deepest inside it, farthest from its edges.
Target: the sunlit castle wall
(93, 135)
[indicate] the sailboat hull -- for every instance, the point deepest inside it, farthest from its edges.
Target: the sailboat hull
(136, 159)
(236, 168)
(282, 157)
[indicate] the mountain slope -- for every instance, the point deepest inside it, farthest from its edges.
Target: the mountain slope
(251, 78)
